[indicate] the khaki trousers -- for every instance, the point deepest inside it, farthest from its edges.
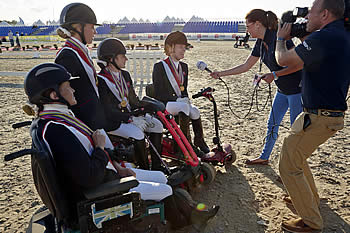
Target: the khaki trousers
(294, 169)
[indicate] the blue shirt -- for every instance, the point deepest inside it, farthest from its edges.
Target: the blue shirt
(287, 84)
(326, 73)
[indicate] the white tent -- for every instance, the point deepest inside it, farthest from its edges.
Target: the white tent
(39, 23)
(4, 24)
(124, 20)
(196, 19)
(134, 20)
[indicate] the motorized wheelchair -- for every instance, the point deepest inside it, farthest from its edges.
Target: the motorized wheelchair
(109, 207)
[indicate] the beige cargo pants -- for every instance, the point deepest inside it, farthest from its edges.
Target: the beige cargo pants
(294, 169)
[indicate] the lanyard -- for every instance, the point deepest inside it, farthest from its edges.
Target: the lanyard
(177, 73)
(262, 55)
(120, 84)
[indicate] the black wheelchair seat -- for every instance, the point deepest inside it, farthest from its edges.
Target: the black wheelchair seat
(109, 207)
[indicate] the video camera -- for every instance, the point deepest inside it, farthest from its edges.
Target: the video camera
(299, 29)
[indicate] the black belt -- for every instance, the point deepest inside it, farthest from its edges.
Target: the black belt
(324, 112)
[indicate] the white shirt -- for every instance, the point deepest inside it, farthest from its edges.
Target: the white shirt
(58, 107)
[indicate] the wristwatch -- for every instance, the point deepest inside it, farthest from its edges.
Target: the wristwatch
(275, 77)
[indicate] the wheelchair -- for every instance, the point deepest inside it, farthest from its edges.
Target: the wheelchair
(109, 207)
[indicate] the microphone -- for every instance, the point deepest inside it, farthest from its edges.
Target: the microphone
(202, 66)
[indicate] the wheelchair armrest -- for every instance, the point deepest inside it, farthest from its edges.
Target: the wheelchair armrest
(112, 187)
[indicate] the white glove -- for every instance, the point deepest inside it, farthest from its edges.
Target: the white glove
(139, 122)
(184, 100)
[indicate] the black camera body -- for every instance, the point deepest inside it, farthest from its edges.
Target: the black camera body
(298, 29)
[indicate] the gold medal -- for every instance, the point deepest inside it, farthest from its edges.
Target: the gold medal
(123, 104)
(182, 88)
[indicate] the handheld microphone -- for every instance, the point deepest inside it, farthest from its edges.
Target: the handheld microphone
(202, 66)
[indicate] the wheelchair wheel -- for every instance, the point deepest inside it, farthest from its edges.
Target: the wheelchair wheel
(235, 46)
(231, 158)
(207, 173)
(246, 46)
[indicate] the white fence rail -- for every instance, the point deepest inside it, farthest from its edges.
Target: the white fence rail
(140, 64)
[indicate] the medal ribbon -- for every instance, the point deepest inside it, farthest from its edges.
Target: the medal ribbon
(177, 74)
(68, 120)
(72, 121)
(120, 84)
(83, 54)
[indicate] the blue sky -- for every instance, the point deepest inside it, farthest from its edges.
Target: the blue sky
(154, 10)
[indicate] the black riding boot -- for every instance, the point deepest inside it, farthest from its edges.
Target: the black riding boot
(173, 214)
(141, 156)
(156, 140)
(184, 122)
(186, 211)
(198, 135)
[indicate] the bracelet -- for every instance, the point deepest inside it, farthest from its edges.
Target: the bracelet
(275, 77)
(280, 39)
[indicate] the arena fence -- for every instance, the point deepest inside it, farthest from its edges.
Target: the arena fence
(140, 64)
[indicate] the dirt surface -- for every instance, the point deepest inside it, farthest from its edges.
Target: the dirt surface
(250, 197)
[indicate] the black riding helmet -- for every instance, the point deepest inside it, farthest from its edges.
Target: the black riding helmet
(42, 78)
(77, 13)
(108, 49)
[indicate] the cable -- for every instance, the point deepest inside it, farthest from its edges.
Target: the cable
(254, 94)
(272, 134)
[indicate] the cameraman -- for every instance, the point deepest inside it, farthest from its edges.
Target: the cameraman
(324, 56)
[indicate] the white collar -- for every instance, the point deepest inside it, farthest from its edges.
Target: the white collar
(80, 43)
(58, 107)
(176, 64)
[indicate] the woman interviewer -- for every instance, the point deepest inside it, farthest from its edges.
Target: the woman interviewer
(263, 26)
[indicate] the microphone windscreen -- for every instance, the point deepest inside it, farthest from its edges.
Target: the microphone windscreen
(201, 65)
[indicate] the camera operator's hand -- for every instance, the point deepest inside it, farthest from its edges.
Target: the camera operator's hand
(267, 77)
(99, 139)
(215, 74)
(284, 31)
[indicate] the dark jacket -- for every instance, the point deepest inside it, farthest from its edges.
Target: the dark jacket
(88, 108)
(76, 169)
(115, 115)
(162, 87)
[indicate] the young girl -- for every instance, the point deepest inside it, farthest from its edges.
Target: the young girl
(78, 28)
(170, 80)
(118, 98)
(79, 152)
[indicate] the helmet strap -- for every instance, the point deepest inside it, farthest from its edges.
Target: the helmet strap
(115, 64)
(60, 98)
(81, 34)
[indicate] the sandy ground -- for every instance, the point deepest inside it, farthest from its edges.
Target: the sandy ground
(250, 196)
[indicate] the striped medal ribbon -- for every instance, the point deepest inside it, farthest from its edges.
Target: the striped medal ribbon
(68, 120)
(74, 45)
(122, 88)
(178, 74)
